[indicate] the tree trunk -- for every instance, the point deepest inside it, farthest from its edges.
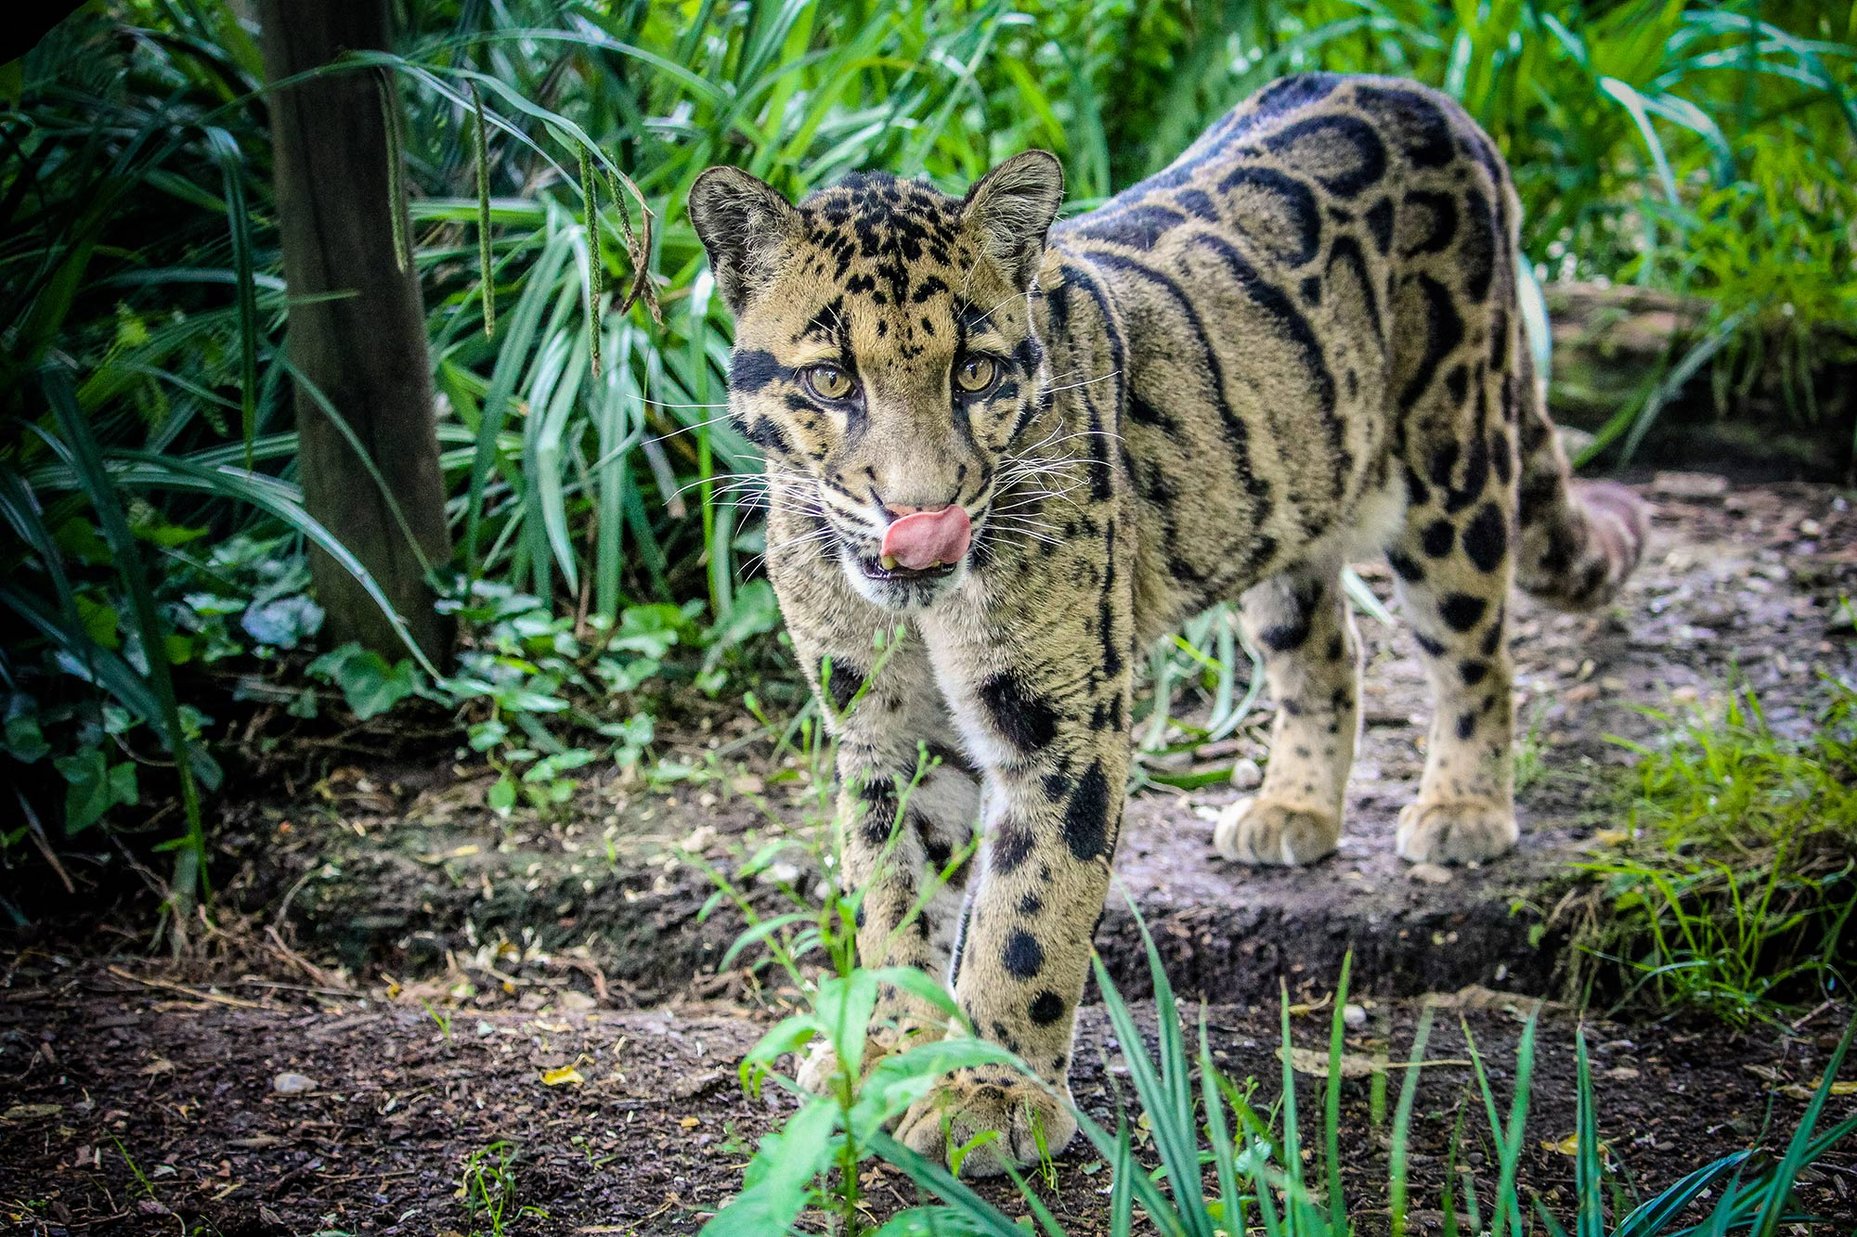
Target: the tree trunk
(357, 326)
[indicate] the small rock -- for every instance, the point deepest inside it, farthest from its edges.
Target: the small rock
(779, 872)
(292, 1084)
(1246, 775)
(1692, 485)
(1354, 1016)
(1430, 874)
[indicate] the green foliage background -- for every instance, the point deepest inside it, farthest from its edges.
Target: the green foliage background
(153, 588)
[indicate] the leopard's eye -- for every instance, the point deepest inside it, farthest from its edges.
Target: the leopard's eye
(976, 374)
(829, 382)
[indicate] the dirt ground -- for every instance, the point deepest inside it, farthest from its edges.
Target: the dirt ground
(424, 963)
(138, 1104)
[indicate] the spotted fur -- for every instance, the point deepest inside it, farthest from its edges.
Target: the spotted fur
(1297, 344)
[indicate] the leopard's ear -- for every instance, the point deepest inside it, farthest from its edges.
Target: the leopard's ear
(743, 222)
(1011, 209)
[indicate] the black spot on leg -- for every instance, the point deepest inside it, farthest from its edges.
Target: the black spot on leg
(1486, 538)
(879, 799)
(1438, 538)
(1493, 637)
(1047, 1008)
(1433, 648)
(1024, 719)
(1466, 725)
(1086, 820)
(1023, 956)
(1461, 611)
(1011, 845)
(950, 757)
(1473, 672)
(1282, 637)
(1405, 566)
(1031, 905)
(843, 684)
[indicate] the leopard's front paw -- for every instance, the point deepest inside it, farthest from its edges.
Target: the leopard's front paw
(1461, 831)
(819, 1063)
(819, 1066)
(1257, 831)
(1028, 1118)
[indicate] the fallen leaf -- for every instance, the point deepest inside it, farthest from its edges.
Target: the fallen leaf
(1315, 1064)
(1570, 1145)
(456, 852)
(561, 1076)
(1806, 1090)
(690, 1123)
(1476, 997)
(30, 1112)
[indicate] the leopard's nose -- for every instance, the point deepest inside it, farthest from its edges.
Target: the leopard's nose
(899, 510)
(899, 505)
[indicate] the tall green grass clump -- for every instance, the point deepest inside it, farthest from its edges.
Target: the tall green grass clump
(1213, 1161)
(1735, 889)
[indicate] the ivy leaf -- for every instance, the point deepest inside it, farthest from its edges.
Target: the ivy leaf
(368, 683)
(283, 622)
(93, 786)
(25, 742)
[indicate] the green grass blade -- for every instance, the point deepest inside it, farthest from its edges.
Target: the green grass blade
(1402, 1125)
(1331, 1108)
(1588, 1168)
(1798, 1149)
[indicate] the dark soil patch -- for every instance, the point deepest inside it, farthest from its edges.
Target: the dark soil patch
(131, 1103)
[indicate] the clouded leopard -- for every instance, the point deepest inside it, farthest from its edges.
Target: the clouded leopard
(1037, 445)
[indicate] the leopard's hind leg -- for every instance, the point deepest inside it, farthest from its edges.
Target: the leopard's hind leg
(1453, 563)
(1301, 623)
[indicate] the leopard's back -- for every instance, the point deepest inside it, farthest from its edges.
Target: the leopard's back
(1318, 304)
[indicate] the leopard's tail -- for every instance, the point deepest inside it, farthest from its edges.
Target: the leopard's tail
(1579, 539)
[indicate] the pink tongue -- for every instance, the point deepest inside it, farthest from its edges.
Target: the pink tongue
(925, 538)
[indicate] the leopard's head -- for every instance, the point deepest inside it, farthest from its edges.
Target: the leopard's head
(885, 355)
